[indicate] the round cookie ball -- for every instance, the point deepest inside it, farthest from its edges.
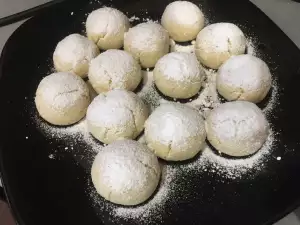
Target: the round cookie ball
(175, 132)
(237, 128)
(115, 115)
(62, 98)
(218, 42)
(114, 69)
(183, 20)
(106, 27)
(244, 77)
(74, 54)
(147, 42)
(126, 172)
(178, 75)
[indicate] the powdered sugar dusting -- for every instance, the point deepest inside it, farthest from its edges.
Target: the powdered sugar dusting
(183, 13)
(105, 74)
(180, 66)
(148, 36)
(231, 168)
(244, 77)
(62, 90)
(134, 18)
(251, 50)
(76, 133)
(148, 92)
(106, 22)
(182, 48)
(177, 127)
(273, 99)
(74, 50)
(126, 172)
(208, 162)
(208, 96)
(155, 207)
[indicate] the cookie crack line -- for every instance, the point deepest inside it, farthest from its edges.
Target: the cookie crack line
(134, 121)
(148, 166)
(229, 45)
(105, 33)
(169, 149)
(66, 92)
(109, 196)
(239, 93)
(105, 134)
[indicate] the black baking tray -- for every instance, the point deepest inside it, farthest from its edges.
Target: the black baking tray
(45, 191)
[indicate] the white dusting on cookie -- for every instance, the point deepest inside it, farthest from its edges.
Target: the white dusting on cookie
(180, 66)
(62, 90)
(126, 172)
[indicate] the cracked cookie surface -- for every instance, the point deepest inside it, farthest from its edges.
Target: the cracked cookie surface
(244, 77)
(237, 128)
(126, 172)
(114, 69)
(147, 42)
(62, 98)
(106, 27)
(218, 42)
(175, 132)
(117, 114)
(74, 54)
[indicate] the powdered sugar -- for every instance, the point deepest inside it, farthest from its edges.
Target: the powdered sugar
(182, 48)
(134, 18)
(148, 36)
(208, 96)
(177, 128)
(76, 133)
(231, 168)
(154, 209)
(106, 22)
(222, 37)
(180, 66)
(109, 112)
(126, 172)
(183, 13)
(244, 77)
(183, 20)
(105, 74)
(250, 46)
(74, 51)
(148, 92)
(116, 115)
(206, 163)
(237, 128)
(61, 91)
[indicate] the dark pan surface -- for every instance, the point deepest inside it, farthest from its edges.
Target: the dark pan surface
(47, 192)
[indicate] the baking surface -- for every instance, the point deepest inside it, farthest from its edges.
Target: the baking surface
(284, 13)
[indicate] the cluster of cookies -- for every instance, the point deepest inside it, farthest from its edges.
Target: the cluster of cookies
(125, 171)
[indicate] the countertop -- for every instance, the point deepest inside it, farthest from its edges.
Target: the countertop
(285, 13)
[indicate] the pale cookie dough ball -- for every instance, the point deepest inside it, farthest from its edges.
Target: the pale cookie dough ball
(178, 75)
(114, 69)
(117, 114)
(183, 20)
(244, 77)
(74, 54)
(218, 42)
(62, 98)
(175, 132)
(106, 27)
(126, 172)
(237, 128)
(147, 42)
